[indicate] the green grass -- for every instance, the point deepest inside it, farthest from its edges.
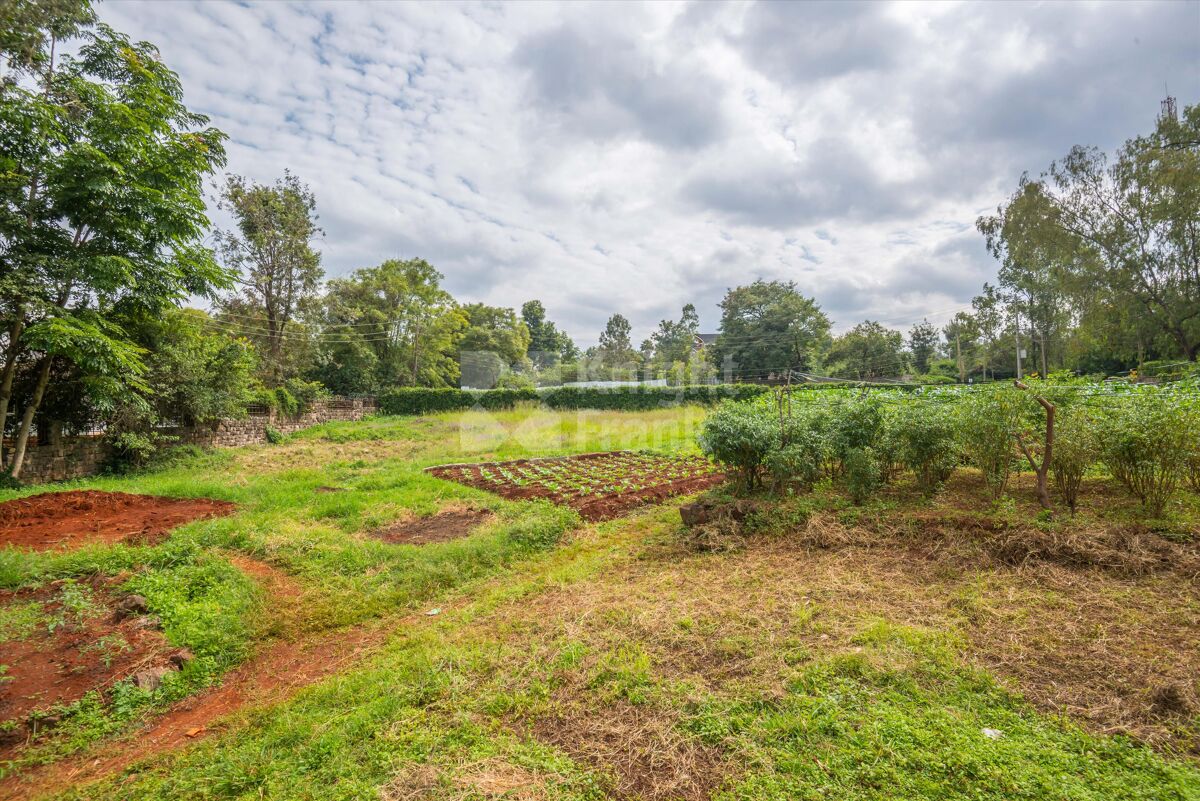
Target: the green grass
(798, 700)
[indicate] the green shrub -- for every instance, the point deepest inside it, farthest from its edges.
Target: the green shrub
(799, 464)
(927, 444)
(421, 400)
(862, 474)
(1076, 448)
(1146, 440)
(740, 436)
(854, 425)
(987, 420)
(273, 435)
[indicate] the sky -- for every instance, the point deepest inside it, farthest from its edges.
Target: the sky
(621, 157)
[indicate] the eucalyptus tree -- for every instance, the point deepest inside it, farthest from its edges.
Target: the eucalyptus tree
(272, 251)
(101, 205)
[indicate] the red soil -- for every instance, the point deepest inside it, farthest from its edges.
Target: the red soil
(451, 524)
(86, 650)
(75, 518)
(587, 483)
(273, 675)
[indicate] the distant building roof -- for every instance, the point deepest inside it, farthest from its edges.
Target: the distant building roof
(707, 339)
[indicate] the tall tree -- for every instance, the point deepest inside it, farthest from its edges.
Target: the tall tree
(768, 327)
(868, 350)
(1035, 256)
(616, 349)
(674, 341)
(272, 249)
(988, 319)
(101, 205)
(1136, 223)
(498, 330)
(547, 345)
(923, 339)
(401, 313)
(962, 337)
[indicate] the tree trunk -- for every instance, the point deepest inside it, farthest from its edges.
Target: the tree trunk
(22, 443)
(10, 371)
(1042, 471)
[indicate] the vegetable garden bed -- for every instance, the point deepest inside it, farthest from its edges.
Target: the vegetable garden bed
(600, 486)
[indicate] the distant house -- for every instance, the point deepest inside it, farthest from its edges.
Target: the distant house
(703, 341)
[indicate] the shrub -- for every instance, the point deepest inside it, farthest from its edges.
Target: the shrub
(1145, 442)
(986, 421)
(273, 435)
(927, 444)
(740, 436)
(1076, 447)
(862, 474)
(421, 400)
(854, 425)
(797, 464)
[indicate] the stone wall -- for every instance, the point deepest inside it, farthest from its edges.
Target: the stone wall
(65, 458)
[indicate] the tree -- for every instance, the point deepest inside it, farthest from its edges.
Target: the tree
(493, 330)
(1133, 224)
(962, 335)
(868, 350)
(768, 327)
(401, 313)
(616, 349)
(272, 250)
(547, 345)
(988, 320)
(1035, 257)
(101, 206)
(195, 373)
(674, 341)
(923, 339)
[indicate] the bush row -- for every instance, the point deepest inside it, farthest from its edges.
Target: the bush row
(418, 400)
(1146, 437)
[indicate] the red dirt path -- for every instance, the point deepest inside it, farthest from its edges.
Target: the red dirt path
(79, 517)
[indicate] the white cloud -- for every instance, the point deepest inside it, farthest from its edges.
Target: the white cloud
(635, 158)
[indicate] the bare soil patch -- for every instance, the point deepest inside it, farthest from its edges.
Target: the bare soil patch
(76, 641)
(600, 486)
(79, 517)
(451, 524)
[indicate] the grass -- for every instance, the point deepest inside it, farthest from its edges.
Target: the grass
(832, 657)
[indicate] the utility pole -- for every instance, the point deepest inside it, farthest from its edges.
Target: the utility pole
(1020, 375)
(962, 373)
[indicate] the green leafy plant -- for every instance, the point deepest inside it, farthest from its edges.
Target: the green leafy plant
(862, 474)
(1146, 440)
(1076, 448)
(741, 436)
(274, 435)
(986, 422)
(928, 445)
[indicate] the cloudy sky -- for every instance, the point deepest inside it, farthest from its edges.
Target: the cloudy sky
(633, 158)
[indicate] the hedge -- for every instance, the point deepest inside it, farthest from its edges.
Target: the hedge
(418, 400)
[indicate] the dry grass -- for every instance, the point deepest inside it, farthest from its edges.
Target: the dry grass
(479, 781)
(637, 748)
(1119, 653)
